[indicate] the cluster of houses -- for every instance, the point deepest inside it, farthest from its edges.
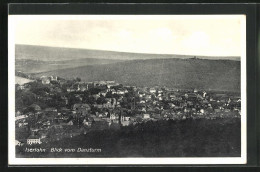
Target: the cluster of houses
(120, 106)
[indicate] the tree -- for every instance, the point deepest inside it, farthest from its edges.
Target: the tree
(101, 100)
(55, 83)
(73, 100)
(27, 98)
(94, 90)
(109, 94)
(56, 101)
(39, 89)
(29, 109)
(31, 121)
(42, 104)
(69, 83)
(78, 79)
(89, 99)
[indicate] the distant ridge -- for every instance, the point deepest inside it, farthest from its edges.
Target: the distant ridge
(223, 75)
(45, 53)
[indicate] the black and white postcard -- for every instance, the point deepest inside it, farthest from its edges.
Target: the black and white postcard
(127, 89)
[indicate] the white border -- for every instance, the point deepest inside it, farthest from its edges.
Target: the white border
(12, 160)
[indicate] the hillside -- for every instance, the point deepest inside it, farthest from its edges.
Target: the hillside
(187, 138)
(178, 73)
(36, 66)
(58, 54)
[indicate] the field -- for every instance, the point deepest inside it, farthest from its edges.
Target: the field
(38, 66)
(21, 81)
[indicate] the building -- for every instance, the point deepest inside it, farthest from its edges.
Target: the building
(54, 78)
(22, 124)
(83, 88)
(146, 116)
(125, 123)
(33, 140)
(20, 87)
(87, 122)
(81, 107)
(71, 90)
(113, 117)
(156, 116)
(70, 122)
(152, 90)
(21, 117)
(51, 109)
(120, 92)
(46, 80)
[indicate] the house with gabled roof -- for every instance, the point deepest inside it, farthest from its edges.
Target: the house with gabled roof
(33, 140)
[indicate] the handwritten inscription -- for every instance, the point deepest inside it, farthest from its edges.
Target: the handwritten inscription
(34, 150)
(59, 150)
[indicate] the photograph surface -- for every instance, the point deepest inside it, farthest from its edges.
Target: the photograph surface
(127, 89)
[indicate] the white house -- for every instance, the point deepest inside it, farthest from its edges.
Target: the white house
(45, 81)
(112, 116)
(33, 140)
(87, 123)
(125, 123)
(70, 122)
(21, 117)
(54, 78)
(146, 116)
(152, 90)
(120, 92)
(142, 101)
(21, 87)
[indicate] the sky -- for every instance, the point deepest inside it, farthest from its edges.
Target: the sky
(160, 34)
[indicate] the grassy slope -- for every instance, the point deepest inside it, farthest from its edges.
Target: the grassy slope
(34, 66)
(179, 73)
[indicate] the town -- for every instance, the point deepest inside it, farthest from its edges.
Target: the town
(51, 108)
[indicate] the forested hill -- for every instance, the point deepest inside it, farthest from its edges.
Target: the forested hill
(179, 73)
